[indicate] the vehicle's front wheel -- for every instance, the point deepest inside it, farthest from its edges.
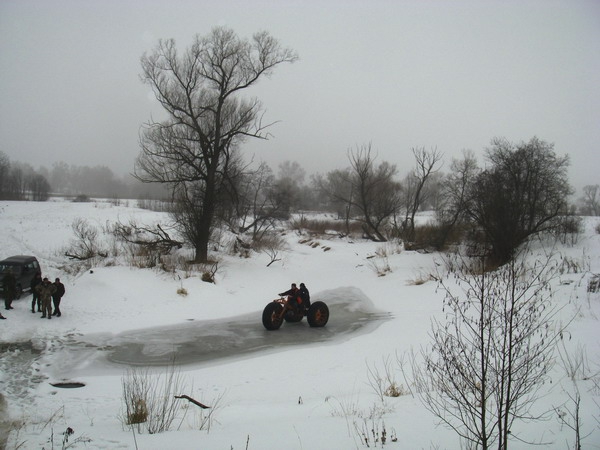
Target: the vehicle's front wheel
(18, 292)
(272, 317)
(318, 314)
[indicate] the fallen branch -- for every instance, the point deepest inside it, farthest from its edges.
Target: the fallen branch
(158, 238)
(85, 257)
(195, 402)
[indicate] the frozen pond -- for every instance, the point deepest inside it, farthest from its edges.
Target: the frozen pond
(239, 336)
(202, 342)
(351, 313)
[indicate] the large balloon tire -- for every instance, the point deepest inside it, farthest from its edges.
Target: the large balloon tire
(293, 316)
(271, 317)
(318, 314)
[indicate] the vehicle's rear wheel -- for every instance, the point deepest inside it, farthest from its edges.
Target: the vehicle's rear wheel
(318, 314)
(272, 317)
(18, 292)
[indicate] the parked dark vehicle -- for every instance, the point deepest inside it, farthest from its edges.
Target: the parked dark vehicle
(23, 268)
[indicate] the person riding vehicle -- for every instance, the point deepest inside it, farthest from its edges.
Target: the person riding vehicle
(293, 296)
(304, 295)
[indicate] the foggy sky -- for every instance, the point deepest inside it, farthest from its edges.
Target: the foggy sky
(397, 74)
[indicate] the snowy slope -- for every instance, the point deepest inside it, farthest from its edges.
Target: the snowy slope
(315, 395)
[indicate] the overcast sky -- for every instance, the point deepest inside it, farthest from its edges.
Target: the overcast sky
(399, 74)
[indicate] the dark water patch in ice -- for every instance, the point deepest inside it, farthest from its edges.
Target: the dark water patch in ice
(68, 384)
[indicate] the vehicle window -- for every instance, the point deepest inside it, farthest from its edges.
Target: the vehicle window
(5, 267)
(16, 270)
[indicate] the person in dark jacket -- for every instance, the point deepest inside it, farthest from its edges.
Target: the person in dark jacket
(45, 291)
(35, 299)
(58, 294)
(293, 296)
(304, 295)
(9, 283)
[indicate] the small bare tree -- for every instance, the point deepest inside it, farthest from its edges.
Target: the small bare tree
(258, 204)
(426, 164)
(85, 245)
(590, 202)
(453, 209)
(337, 188)
(368, 190)
(489, 359)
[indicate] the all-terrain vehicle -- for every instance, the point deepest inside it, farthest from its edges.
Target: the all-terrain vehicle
(24, 268)
(280, 309)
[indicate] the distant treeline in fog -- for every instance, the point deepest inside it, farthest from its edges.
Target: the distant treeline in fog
(20, 181)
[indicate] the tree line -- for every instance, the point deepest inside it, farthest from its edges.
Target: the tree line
(194, 158)
(195, 151)
(21, 181)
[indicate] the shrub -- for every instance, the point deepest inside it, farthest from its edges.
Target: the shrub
(138, 413)
(149, 398)
(154, 205)
(272, 245)
(435, 236)
(568, 228)
(81, 198)
(322, 226)
(382, 380)
(86, 245)
(422, 278)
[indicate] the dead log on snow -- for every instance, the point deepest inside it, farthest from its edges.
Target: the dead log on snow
(195, 402)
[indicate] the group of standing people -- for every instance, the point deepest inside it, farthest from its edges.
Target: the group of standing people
(45, 294)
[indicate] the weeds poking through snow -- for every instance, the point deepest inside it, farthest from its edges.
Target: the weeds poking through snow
(421, 278)
(594, 284)
(149, 398)
(207, 416)
(182, 291)
(374, 434)
(383, 382)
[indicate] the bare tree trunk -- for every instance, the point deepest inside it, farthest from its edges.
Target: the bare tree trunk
(425, 166)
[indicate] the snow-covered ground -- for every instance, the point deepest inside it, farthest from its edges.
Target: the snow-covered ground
(312, 395)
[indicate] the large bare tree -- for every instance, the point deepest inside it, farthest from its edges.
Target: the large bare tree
(523, 193)
(206, 119)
